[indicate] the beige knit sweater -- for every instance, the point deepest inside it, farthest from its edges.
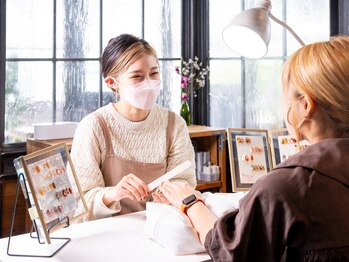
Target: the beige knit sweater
(143, 141)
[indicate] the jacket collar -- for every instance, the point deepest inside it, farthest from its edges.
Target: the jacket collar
(329, 157)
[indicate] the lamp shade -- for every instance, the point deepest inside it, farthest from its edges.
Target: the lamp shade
(248, 34)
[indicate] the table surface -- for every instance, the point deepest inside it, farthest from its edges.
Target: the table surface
(118, 238)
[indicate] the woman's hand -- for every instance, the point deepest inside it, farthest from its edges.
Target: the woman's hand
(130, 187)
(175, 192)
(159, 197)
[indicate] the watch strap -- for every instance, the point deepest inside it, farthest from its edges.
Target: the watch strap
(188, 202)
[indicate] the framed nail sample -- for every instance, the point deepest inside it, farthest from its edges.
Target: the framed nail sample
(249, 155)
(51, 188)
(283, 145)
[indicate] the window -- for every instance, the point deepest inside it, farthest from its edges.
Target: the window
(51, 69)
(53, 49)
(245, 92)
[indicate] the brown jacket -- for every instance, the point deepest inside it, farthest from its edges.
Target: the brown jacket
(298, 212)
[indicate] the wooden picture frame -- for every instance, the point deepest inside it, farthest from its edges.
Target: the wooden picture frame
(249, 155)
(283, 145)
(51, 187)
(274, 136)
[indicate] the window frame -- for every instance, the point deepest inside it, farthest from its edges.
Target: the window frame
(195, 42)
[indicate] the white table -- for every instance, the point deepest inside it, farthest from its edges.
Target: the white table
(118, 238)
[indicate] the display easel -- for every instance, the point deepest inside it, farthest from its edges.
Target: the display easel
(34, 226)
(53, 193)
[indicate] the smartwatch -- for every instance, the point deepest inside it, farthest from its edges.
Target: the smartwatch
(189, 201)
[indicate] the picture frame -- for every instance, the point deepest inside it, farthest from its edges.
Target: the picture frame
(249, 154)
(283, 145)
(51, 188)
(274, 136)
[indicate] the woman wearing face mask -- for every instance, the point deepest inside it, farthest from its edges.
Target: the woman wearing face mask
(299, 211)
(120, 148)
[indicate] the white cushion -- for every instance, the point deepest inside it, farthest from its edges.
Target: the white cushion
(172, 230)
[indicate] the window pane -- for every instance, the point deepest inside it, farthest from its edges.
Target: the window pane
(28, 100)
(226, 95)
(263, 94)
(252, 107)
(310, 20)
(77, 89)
(120, 17)
(29, 26)
(170, 93)
(78, 29)
(221, 13)
(162, 26)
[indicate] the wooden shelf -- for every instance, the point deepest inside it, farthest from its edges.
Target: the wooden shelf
(204, 185)
(35, 145)
(205, 138)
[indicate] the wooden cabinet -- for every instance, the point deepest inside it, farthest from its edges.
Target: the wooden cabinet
(211, 139)
(35, 145)
(8, 185)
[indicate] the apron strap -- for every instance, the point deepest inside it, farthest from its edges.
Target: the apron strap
(170, 126)
(106, 134)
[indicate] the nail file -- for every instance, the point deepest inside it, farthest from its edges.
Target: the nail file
(178, 169)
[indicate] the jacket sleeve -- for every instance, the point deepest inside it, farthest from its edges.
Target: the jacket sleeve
(259, 231)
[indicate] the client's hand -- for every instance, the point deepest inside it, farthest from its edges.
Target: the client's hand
(159, 197)
(176, 192)
(130, 186)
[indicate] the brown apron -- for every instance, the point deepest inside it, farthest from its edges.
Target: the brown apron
(115, 168)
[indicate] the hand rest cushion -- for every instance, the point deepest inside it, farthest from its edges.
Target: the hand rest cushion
(172, 230)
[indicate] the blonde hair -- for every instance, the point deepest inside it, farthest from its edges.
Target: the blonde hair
(321, 70)
(121, 52)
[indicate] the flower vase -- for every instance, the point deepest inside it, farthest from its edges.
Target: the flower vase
(185, 112)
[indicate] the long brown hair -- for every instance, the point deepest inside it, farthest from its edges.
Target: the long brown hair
(321, 70)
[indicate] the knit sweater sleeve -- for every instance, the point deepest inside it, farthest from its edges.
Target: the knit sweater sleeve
(181, 149)
(87, 155)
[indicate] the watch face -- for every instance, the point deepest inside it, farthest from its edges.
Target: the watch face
(188, 200)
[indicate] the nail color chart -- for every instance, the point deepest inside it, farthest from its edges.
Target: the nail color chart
(48, 177)
(288, 146)
(251, 158)
(54, 191)
(249, 155)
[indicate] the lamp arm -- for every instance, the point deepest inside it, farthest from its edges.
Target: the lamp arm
(287, 27)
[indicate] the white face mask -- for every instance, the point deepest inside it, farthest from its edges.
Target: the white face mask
(142, 95)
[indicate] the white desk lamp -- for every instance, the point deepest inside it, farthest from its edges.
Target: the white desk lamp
(248, 34)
